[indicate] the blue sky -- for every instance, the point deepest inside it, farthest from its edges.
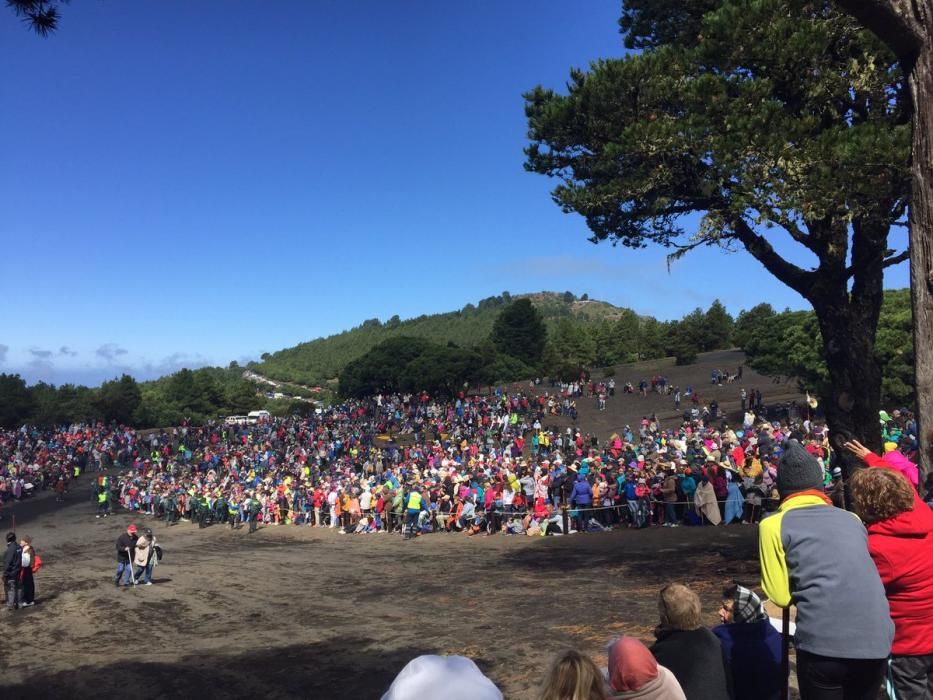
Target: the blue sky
(189, 183)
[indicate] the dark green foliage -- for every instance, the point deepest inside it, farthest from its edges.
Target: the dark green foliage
(718, 327)
(42, 16)
(321, 360)
(16, 400)
(789, 344)
(519, 332)
(117, 400)
(411, 365)
(751, 323)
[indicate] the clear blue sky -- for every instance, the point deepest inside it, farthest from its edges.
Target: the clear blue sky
(189, 183)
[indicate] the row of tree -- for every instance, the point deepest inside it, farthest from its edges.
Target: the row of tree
(789, 344)
(194, 395)
(519, 346)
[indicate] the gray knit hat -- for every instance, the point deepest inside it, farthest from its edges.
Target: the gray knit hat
(798, 470)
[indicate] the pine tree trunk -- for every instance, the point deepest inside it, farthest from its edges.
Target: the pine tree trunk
(921, 248)
(852, 407)
(906, 26)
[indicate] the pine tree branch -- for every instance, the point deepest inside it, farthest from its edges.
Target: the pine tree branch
(796, 278)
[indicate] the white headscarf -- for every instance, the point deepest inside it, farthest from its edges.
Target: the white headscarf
(433, 677)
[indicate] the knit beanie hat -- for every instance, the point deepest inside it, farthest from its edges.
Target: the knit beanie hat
(798, 470)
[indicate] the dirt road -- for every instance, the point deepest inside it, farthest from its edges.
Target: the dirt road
(300, 613)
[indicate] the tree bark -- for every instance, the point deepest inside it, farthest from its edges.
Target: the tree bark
(855, 377)
(921, 248)
(906, 26)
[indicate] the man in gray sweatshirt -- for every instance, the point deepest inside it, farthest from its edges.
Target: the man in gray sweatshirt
(815, 556)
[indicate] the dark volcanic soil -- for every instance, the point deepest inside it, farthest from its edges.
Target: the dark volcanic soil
(296, 612)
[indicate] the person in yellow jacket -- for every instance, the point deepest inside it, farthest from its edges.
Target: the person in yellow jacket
(414, 504)
(815, 556)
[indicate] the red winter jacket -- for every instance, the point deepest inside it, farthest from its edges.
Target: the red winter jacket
(902, 549)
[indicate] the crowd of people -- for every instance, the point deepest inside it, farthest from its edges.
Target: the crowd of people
(488, 464)
(861, 583)
(478, 464)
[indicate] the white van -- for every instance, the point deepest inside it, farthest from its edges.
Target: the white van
(235, 420)
(256, 416)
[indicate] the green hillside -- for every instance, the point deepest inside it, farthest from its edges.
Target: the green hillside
(321, 360)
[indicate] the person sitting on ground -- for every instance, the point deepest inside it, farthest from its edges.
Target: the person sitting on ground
(692, 653)
(751, 645)
(815, 556)
(573, 676)
(431, 677)
(900, 542)
(634, 673)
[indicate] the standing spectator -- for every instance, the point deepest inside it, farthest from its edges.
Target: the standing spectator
(751, 645)
(581, 499)
(28, 595)
(900, 541)
(126, 551)
(12, 565)
(816, 557)
(145, 558)
(669, 493)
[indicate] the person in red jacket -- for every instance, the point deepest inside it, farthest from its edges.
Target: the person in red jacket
(900, 541)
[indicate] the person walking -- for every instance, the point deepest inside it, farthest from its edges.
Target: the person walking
(12, 565)
(145, 557)
(27, 581)
(102, 501)
(126, 546)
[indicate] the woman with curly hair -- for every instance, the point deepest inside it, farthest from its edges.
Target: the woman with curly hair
(900, 541)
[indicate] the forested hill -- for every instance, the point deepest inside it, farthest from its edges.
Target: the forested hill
(322, 359)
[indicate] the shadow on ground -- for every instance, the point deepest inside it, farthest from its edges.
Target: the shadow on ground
(652, 551)
(342, 667)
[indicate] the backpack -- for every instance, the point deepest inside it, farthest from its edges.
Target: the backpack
(158, 553)
(36, 562)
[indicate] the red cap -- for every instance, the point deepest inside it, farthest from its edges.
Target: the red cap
(131, 528)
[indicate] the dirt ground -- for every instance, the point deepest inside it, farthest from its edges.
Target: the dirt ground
(294, 612)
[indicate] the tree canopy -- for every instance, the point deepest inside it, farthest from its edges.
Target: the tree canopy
(42, 16)
(519, 332)
(778, 118)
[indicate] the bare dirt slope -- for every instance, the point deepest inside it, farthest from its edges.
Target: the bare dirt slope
(628, 409)
(299, 613)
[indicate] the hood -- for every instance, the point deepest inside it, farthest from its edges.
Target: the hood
(899, 462)
(631, 665)
(912, 523)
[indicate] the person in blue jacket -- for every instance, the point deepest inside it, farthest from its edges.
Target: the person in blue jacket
(581, 499)
(750, 645)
